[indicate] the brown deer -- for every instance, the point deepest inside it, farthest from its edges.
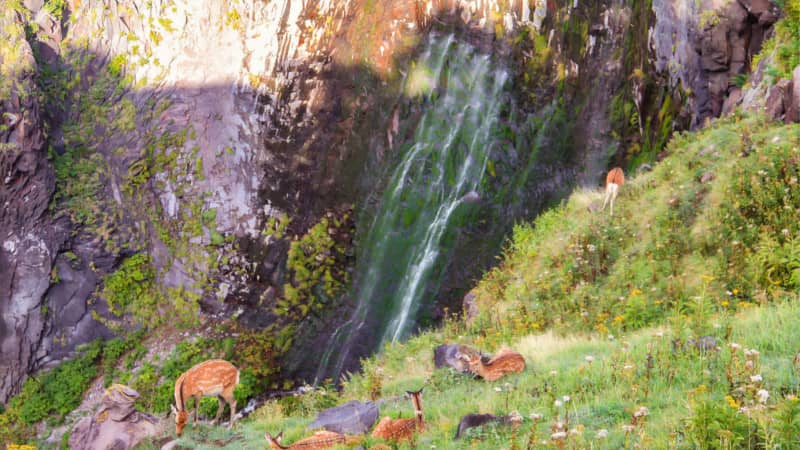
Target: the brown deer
(320, 440)
(504, 362)
(209, 378)
(402, 429)
(614, 180)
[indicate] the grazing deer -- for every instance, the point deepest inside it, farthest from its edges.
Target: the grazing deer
(209, 378)
(402, 429)
(320, 440)
(506, 361)
(614, 180)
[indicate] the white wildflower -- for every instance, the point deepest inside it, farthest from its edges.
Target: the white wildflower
(589, 359)
(536, 417)
(641, 412)
(763, 395)
(553, 373)
(628, 367)
(565, 398)
(558, 435)
(756, 378)
(734, 346)
(558, 403)
(498, 389)
(601, 433)
(628, 428)
(574, 431)
(785, 232)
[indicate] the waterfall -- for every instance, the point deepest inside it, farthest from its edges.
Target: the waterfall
(420, 207)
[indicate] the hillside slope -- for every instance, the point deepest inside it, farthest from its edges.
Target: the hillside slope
(670, 323)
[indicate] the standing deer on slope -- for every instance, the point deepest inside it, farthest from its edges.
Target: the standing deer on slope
(402, 429)
(614, 180)
(209, 378)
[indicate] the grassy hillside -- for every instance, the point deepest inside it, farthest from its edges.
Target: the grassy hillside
(608, 311)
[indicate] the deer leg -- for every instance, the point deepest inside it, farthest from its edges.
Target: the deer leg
(220, 408)
(605, 200)
(232, 402)
(196, 407)
(613, 197)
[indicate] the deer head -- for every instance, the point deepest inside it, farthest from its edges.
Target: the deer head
(274, 442)
(181, 416)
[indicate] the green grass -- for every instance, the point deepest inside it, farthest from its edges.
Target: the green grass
(683, 257)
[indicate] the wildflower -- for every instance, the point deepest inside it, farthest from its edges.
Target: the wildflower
(734, 346)
(601, 433)
(762, 395)
(731, 401)
(744, 410)
(628, 428)
(558, 403)
(725, 303)
(628, 367)
(641, 412)
(515, 417)
(756, 378)
(785, 232)
(558, 435)
(565, 398)
(610, 337)
(749, 364)
(498, 389)
(591, 248)
(752, 353)
(660, 334)
(536, 417)
(507, 385)
(589, 359)
(574, 431)
(553, 373)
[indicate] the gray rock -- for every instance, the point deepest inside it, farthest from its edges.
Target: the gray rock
(793, 98)
(775, 104)
(445, 355)
(353, 417)
(117, 424)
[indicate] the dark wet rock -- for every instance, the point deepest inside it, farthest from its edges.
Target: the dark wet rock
(446, 355)
(116, 424)
(352, 418)
(478, 420)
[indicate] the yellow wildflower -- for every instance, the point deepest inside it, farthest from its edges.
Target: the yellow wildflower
(732, 402)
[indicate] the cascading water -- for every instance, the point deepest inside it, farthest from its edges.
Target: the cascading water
(408, 236)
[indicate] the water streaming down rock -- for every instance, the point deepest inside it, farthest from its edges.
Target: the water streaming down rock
(421, 205)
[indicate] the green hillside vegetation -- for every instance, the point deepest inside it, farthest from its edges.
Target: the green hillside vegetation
(670, 323)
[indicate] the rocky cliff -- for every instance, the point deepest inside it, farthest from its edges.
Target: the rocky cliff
(188, 146)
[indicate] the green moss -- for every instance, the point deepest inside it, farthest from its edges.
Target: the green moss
(131, 289)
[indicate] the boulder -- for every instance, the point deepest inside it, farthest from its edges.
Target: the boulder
(775, 104)
(352, 418)
(116, 425)
(792, 98)
(445, 356)
(730, 103)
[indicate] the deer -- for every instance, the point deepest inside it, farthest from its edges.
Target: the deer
(504, 362)
(207, 379)
(614, 180)
(320, 440)
(402, 429)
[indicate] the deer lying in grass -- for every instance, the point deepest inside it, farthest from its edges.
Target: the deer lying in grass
(320, 440)
(209, 378)
(504, 362)
(614, 180)
(402, 429)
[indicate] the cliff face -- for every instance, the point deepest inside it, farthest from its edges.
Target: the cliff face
(206, 135)
(29, 236)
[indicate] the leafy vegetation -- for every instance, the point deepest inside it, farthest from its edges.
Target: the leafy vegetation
(49, 395)
(318, 265)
